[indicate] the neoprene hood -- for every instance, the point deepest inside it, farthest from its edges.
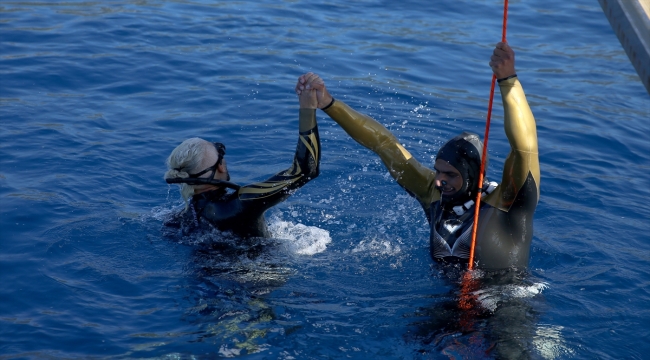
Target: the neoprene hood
(464, 153)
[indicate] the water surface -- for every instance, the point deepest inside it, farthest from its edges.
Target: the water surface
(95, 95)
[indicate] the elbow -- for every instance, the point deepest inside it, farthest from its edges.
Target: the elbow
(314, 173)
(529, 145)
(523, 138)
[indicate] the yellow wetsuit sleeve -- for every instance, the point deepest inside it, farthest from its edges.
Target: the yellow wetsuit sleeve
(523, 159)
(408, 172)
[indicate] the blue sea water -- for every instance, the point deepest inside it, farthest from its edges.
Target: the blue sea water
(94, 95)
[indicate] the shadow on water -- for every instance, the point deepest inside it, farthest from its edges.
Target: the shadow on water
(229, 279)
(485, 315)
(209, 290)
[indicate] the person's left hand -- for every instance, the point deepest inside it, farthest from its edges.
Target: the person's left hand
(502, 61)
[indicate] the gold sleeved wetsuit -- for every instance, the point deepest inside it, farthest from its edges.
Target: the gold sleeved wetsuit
(242, 212)
(505, 228)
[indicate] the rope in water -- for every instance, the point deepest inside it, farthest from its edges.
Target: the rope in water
(485, 143)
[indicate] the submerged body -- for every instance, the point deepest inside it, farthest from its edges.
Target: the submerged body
(241, 211)
(505, 228)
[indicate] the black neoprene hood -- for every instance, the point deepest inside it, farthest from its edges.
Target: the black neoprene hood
(464, 153)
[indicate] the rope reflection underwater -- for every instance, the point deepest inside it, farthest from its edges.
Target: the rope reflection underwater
(468, 306)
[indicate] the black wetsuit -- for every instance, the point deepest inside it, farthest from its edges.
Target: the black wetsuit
(505, 226)
(242, 212)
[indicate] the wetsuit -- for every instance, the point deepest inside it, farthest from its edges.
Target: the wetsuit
(505, 226)
(242, 212)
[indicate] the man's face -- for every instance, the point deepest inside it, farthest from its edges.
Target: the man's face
(448, 178)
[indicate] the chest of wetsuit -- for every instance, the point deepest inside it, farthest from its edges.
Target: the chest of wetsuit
(503, 237)
(505, 222)
(242, 212)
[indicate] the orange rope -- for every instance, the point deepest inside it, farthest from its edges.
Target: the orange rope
(487, 132)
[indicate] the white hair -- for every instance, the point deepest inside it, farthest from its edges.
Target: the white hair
(184, 160)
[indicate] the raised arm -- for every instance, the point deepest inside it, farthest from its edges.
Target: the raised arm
(304, 168)
(417, 179)
(522, 163)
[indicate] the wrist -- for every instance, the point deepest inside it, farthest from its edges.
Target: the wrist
(308, 104)
(506, 78)
(328, 105)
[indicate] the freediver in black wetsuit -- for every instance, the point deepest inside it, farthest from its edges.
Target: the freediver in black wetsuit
(199, 167)
(447, 193)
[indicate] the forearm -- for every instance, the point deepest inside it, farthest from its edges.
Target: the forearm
(304, 168)
(306, 119)
(408, 172)
(521, 131)
(519, 122)
(362, 128)
(308, 147)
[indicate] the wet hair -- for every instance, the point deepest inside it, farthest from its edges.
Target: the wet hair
(184, 160)
(464, 153)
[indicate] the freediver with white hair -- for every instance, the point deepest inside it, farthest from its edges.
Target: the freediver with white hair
(199, 167)
(448, 191)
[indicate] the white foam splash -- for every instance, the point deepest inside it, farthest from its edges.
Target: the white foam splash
(300, 239)
(490, 297)
(160, 213)
(377, 247)
(228, 352)
(549, 343)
